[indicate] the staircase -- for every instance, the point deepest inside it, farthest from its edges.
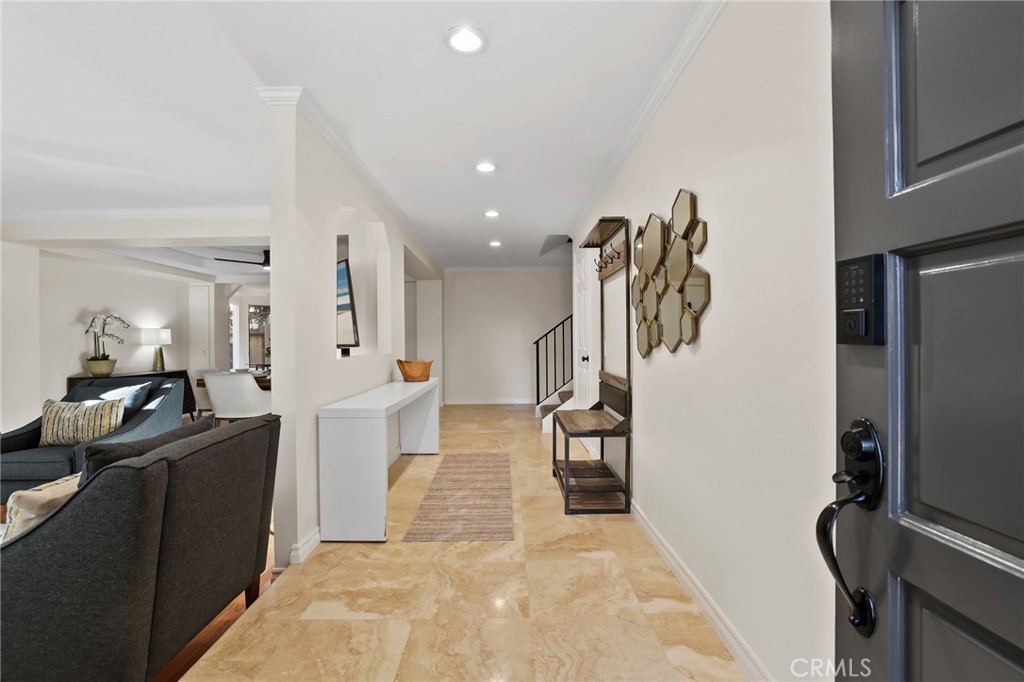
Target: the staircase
(549, 407)
(553, 356)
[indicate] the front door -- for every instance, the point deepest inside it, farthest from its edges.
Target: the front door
(928, 108)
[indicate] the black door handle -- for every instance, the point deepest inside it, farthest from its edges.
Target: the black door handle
(863, 450)
(862, 606)
(585, 358)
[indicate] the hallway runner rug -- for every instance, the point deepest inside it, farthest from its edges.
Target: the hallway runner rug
(469, 498)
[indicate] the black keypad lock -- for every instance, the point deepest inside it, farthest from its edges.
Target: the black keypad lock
(860, 300)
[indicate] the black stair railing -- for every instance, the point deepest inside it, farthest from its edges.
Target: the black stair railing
(553, 355)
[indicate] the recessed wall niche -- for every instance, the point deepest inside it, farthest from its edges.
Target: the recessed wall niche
(670, 293)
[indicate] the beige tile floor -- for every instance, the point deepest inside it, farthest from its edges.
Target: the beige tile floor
(571, 598)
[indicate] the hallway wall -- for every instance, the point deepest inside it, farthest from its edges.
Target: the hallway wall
(734, 436)
(491, 319)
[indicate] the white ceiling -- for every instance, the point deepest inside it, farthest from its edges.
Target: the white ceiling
(202, 260)
(151, 106)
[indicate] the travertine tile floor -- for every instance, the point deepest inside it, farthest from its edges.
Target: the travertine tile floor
(571, 598)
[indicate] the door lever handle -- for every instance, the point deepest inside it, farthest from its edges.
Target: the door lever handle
(585, 358)
(862, 605)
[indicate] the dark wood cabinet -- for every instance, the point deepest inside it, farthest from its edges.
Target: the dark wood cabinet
(189, 406)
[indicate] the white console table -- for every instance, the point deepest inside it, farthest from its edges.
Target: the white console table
(354, 456)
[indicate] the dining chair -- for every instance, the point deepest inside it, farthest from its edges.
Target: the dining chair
(236, 396)
(202, 395)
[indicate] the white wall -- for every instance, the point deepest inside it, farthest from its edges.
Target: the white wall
(734, 437)
(430, 328)
(21, 400)
(491, 319)
(410, 321)
(313, 195)
(72, 291)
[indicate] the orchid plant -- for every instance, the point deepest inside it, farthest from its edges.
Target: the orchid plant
(98, 327)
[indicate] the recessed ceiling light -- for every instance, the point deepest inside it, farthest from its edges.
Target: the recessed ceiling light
(495, 243)
(486, 167)
(465, 39)
(491, 214)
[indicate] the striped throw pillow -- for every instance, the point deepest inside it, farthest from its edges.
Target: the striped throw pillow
(74, 423)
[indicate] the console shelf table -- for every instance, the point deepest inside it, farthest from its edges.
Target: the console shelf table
(354, 455)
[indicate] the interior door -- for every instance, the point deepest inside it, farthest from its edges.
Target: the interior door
(928, 107)
(582, 378)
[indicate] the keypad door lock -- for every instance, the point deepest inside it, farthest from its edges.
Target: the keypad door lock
(860, 300)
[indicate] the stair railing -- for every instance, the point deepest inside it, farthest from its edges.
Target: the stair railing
(555, 370)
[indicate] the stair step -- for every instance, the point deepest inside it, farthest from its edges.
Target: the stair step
(545, 410)
(564, 396)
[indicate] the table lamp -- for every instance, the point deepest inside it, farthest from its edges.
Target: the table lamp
(158, 338)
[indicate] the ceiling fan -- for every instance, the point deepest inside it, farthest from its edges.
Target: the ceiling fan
(265, 264)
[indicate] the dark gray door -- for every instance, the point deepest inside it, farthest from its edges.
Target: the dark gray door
(928, 114)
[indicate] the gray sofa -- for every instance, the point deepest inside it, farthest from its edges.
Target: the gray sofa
(24, 465)
(116, 581)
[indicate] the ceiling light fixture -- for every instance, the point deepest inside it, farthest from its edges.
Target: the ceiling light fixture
(495, 243)
(491, 213)
(486, 167)
(465, 39)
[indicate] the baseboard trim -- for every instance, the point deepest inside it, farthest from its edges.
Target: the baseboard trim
(301, 551)
(753, 669)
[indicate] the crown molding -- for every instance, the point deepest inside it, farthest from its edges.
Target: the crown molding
(280, 96)
(301, 98)
(703, 19)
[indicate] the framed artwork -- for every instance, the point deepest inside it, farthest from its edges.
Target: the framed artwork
(348, 329)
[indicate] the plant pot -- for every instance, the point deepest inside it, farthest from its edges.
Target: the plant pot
(415, 370)
(101, 368)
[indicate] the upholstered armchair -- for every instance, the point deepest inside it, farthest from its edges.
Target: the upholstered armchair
(24, 465)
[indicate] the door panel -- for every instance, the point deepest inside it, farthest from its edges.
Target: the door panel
(928, 120)
(963, 307)
(954, 649)
(944, 46)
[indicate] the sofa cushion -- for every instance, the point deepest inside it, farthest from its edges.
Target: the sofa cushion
(74, 423)
(99, 455)
(37, 464)
(26, 508)
(134, 396)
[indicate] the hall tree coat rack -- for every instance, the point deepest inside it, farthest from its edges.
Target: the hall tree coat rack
(591, 486)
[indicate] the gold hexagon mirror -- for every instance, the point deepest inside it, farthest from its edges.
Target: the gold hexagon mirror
(643, 338)
(650, 299)
(653, 244)
(634, 291)
(697, 290)
(684, 209)
(697, 235)
(638, 248)
(689, 327)
(677, 262)
(655, 331)
(670, 311)
(660, 279)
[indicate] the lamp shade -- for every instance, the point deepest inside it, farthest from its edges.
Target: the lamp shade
(156, 337)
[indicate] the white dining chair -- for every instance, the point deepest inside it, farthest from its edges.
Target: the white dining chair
(236, 396)
(202, 395)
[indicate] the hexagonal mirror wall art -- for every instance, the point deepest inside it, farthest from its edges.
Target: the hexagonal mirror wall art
(697, 290)
(684, 209)
(634, 290)
(653, 244)
(670, 313)
(697, 235)
(690, 328)
(673, 293)
(660, 280)
(650, 301)
(643, 338)
(677, 262)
